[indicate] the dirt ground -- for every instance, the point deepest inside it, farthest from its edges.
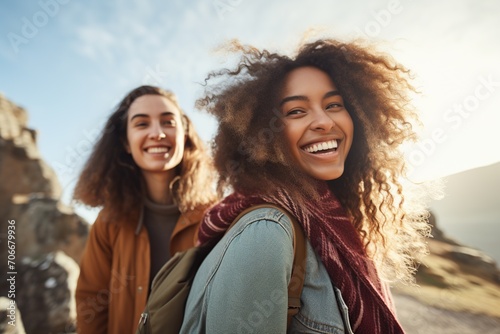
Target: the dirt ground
(418, 318)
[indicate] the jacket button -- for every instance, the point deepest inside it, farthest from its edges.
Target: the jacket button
(139, 289)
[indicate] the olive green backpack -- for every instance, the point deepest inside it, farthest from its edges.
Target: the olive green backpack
(164, 310)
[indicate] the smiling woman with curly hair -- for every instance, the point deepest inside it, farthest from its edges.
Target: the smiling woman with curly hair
(152, 177)
(317, 134)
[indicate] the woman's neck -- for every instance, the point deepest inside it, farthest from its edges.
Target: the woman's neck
(157, 186)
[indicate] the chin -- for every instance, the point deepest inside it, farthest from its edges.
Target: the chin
(328, 176)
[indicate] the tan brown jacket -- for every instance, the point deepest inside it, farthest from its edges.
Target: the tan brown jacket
(114, 272)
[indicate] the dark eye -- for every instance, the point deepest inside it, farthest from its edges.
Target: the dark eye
(294, 112)
(141, 124)
(334, 105)
(170, 122)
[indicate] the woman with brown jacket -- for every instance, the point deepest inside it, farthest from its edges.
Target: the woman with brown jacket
(152, 176)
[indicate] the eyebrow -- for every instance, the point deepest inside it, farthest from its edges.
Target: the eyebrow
(305, 98)
(165, 113)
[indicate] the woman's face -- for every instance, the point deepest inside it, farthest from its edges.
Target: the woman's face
(155, 135)
(318, 129)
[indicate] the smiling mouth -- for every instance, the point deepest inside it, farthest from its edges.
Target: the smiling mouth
(323, 147)
(157, 149)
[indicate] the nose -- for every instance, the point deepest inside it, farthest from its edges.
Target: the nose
(322, 121)
(157, 133)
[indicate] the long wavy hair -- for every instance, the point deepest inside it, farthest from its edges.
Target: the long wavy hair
(112, 180)
(250, 155)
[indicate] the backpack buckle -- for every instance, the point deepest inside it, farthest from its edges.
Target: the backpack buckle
(143, 319)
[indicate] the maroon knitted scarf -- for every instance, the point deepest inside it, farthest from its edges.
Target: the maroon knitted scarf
(337, 242)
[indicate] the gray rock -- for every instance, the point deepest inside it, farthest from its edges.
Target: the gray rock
(29, 193)
(483, 264)
(46, 290)
(45, 230)
(45, 225)
(22, 170)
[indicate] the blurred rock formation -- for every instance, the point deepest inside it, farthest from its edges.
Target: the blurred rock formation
(49, 236)
(22, 171)
(46, 288)
(455, 277)
(479, 263)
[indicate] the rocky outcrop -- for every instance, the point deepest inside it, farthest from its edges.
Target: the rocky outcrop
(480, 263)
(22, 170)
(45, 225)
(46, 293)
(47, 237)
(469, 259)
(456, 278)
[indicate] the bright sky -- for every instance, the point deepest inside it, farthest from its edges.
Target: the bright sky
(69, 62)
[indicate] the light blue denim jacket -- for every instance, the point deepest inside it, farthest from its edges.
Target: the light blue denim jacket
(241, 287)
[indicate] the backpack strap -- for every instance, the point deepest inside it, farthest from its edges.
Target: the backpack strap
(299, 259)
(298, 270)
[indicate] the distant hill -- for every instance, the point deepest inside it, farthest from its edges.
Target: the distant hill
(454, 277)
(470, 210)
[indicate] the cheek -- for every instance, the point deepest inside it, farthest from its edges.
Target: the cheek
(291, 138)
(128, 143)
(349, 130)
(131, 141)
(180, 139)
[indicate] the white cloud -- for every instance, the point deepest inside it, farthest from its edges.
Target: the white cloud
(96, 43)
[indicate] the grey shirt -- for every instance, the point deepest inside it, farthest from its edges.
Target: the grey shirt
(159, 220)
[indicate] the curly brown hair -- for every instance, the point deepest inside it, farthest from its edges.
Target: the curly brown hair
(376, 91)
(112, 180)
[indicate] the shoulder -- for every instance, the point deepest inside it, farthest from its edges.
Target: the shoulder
(260, 217)
(195, 215)
(104, 222)
(259, 246)
(106, 229)
(252, 262)
(263, 232)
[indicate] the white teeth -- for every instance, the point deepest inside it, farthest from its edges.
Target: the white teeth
(327, 145)
(157, 150)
